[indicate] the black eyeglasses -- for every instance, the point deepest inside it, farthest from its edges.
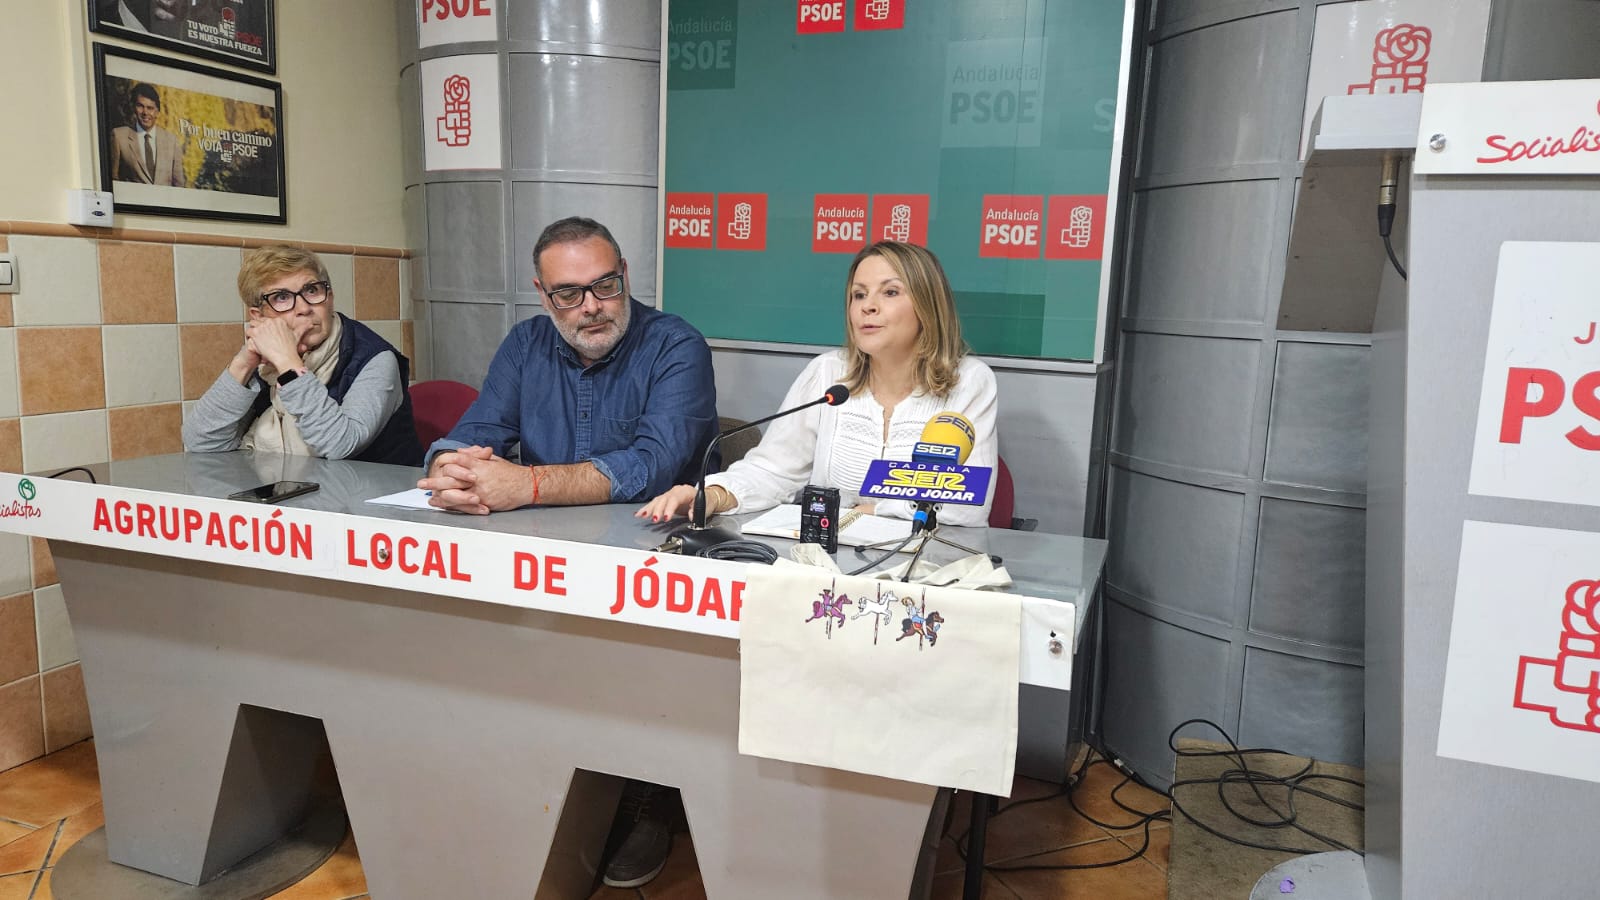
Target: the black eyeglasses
(603, 289)
(283, 300)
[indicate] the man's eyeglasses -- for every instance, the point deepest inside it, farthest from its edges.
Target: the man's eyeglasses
(313, 293)
(603, 289)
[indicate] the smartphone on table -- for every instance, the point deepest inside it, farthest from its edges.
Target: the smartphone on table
(276, 492)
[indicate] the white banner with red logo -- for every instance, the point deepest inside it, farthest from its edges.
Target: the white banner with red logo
(660, 590)
(1522, 680)
(461, 112)
(1538, 432)
(1392, 47)
(1510, 128)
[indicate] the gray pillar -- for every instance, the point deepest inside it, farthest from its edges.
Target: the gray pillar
(1236, 504)
(580, 101)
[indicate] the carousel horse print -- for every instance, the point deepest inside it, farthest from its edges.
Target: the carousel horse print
(879, 607)
(829, 607)
(924, 626)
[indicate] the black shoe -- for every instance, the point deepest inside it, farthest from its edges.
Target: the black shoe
(643, 853)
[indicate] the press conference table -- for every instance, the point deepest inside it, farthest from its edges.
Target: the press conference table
(471, 675)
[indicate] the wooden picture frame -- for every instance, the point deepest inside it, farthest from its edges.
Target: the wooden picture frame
(181, 139)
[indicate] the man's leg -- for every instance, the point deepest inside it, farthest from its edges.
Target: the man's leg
(644, 813)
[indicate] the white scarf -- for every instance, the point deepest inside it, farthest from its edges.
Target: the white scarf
(275, 429)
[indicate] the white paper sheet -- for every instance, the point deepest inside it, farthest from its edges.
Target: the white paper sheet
(903, 681)
(416, 498)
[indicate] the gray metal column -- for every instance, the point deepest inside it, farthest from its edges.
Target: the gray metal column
(1238, 448)
(580, 101)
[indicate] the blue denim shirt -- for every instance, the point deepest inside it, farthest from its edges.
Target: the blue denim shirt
(642, 415)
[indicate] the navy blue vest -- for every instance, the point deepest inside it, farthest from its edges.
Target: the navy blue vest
(396, 443)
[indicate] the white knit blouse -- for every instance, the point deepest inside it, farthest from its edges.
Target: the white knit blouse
(833, 445)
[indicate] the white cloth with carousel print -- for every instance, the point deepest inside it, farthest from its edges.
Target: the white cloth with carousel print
(900, 680)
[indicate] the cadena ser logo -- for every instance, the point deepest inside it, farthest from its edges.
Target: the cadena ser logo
(943, 451)
(24, 508)
(939, 481)
(956, 421)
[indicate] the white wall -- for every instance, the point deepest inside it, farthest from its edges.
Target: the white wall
(339, 66)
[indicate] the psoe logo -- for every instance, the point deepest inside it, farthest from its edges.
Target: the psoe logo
(455, 126)
(24, 508)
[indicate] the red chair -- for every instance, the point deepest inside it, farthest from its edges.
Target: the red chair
(1005, 497)
(436, 406)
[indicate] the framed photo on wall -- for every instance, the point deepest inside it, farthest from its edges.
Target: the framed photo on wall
(240, 32)
(180, 139)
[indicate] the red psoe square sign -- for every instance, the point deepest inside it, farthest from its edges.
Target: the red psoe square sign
(900, 217)
(689, 221)
(819, 16)
(741, 222)
(838, 223)
(1076, 227)
(1012, 227)
(880, 15)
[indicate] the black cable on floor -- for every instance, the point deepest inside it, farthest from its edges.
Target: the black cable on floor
(1255, 780)
(1074, 782)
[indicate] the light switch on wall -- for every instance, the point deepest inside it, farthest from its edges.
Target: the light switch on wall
(8, 273)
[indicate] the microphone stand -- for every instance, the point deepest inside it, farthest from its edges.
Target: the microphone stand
(930, 533)
(697, 535)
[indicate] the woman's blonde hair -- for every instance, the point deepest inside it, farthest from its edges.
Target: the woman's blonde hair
(939, 346)
(267, 264)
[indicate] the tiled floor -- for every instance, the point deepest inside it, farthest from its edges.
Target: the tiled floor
(48, 804)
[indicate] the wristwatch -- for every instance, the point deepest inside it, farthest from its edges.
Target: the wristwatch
(286, 377)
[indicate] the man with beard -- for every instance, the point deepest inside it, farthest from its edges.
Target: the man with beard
(612, 401)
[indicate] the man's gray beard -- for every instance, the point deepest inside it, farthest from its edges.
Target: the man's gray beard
(585, 348)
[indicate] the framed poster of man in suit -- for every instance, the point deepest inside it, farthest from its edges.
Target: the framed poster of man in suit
(181, 139)
(143, 151)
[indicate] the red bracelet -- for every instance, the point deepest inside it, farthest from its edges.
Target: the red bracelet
(534, 471)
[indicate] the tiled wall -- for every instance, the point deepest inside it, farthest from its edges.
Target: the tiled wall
(111, 338)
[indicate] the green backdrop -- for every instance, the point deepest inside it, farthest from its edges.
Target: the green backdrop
(968, 98)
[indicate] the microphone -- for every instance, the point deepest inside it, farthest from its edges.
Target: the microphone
(697, 536)
(947, 439)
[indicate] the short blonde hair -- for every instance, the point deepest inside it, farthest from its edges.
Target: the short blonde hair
(939, 346)
(267, 264)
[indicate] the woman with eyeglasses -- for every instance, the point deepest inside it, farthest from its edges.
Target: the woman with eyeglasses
(308, 380)
(903, 360)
